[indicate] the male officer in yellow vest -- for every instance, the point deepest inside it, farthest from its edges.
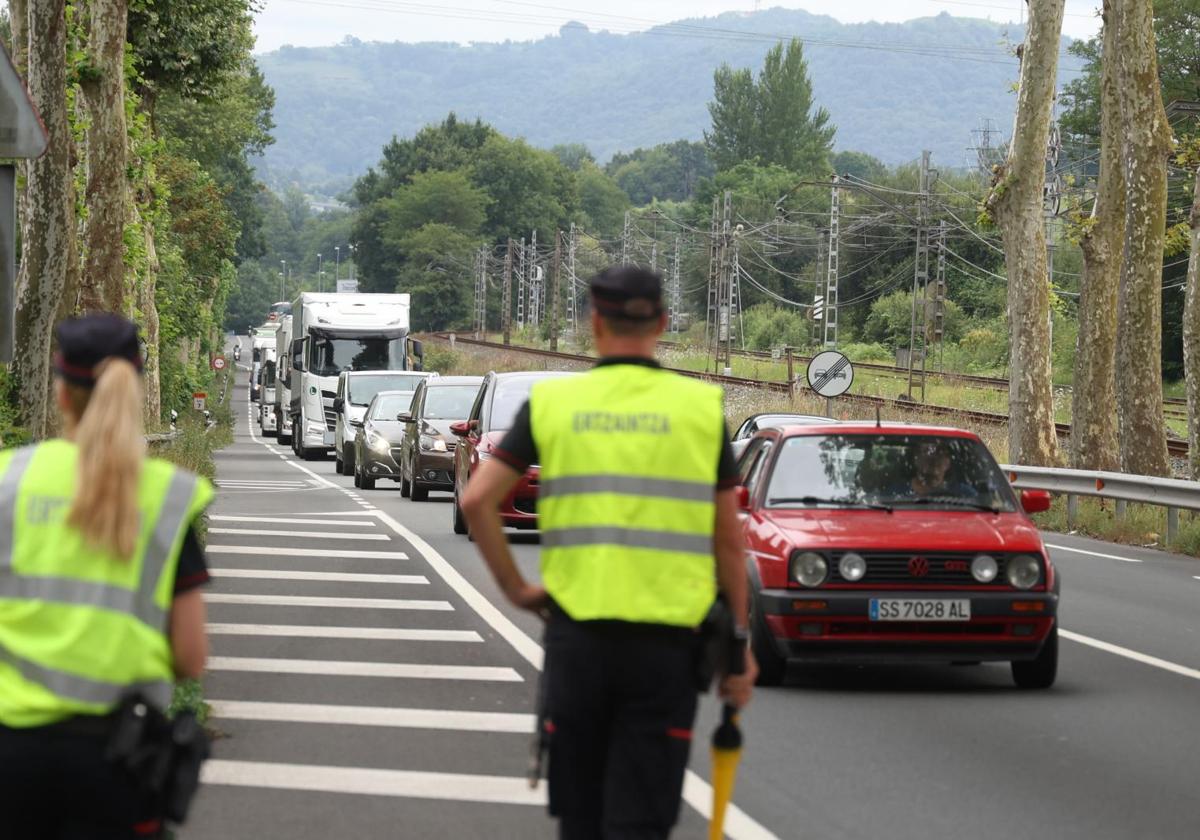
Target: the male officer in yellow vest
(636, 499)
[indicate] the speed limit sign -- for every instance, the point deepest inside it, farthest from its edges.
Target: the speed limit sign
(218, 363)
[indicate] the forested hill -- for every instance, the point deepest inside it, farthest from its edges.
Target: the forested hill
(896, 91)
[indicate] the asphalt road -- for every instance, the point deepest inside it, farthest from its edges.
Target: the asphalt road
(1112, 751)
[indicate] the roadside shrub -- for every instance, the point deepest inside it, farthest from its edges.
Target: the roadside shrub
(767, 326)
(440, 358)
(873, 352)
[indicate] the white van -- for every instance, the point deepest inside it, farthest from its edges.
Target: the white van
(355, 389)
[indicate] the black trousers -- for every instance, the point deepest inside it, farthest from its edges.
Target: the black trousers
(56, 785)
(620, 701)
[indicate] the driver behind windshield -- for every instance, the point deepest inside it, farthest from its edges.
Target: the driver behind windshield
(930, 475)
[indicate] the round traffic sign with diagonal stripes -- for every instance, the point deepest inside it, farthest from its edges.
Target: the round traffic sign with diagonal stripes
(830, 374)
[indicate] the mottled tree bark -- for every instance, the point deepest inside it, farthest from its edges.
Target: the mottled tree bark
(103, 283)
(146, 303)
(48, 224)
(1142, 433)
(18, 16)
(1094, 399)
(1016, 204)
(1191, 335)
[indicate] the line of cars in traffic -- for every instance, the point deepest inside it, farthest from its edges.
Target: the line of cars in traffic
(867, 542)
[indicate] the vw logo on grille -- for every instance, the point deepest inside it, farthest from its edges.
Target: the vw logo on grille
(918, 566)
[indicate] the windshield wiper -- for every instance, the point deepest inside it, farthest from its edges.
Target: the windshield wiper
(816, 500)
(952, 501)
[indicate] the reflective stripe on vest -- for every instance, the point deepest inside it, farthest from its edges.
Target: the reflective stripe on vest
(138, 603)
(10, 483)
(626, 493)
(84, 689)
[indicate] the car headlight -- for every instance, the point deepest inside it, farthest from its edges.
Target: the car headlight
(852, 567)
(809, 568)
(1024, 571)
(429, 443)
(984, 568)
(378, 443)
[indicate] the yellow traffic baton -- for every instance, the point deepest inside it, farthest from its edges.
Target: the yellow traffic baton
(726, 753)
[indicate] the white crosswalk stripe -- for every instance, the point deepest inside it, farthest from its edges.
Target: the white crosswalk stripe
(321, 601)
(338, 668)
(310, 535)
(393, 634)
(327, 577)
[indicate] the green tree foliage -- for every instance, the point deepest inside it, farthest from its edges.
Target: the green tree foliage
(602, 202)
(574, 156)
(666, 172)
(768, 326)
(860, 165)
(890, 321)
(771, 119)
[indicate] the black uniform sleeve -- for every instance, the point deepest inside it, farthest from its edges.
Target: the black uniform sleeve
(727, 471)
(193, 568)
(518, 449)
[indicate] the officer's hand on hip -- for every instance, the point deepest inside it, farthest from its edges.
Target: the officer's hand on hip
(736, 689)
(530, 596)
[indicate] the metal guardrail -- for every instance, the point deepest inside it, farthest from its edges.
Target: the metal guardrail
(1172, 493)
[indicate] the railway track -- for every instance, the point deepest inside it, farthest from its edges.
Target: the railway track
(1176, 448)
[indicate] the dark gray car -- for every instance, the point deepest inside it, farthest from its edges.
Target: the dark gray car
(377, 441)
(427, 453)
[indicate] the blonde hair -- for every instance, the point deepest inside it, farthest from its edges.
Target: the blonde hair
(112, 446)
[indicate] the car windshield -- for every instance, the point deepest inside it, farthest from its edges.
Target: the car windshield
(363, 388)
(389, 405)
(451, 402)
(510, 396)
(930, 471)
(331, 356)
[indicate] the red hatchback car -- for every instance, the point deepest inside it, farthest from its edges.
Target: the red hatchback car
(500, 398)
(883, 543)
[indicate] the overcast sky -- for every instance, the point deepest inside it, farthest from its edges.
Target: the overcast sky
(321, 22)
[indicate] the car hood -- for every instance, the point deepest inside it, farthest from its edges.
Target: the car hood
(390, 429)
(915, 530)
(440, 427)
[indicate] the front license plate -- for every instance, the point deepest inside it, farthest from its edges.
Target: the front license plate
(920, 609)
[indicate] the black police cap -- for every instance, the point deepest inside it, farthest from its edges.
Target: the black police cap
(83, 343)
(629, 292)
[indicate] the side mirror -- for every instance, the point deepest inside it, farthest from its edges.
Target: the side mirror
(1035, 501)
(356, 423)
(338, 403)
(460, 429)
(404, 416)
(742, 494)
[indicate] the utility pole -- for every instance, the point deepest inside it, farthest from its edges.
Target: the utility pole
(506, 297)
(521, 290)
(481, 293)
(939, 292)
(724, 289)
(712, 315)
(920, 283)
(573, 295)
(320, 274)
(831, 278)
(676, 293)
(534, 285)
(555, 283)
(818, 304)
(337, 264)
(735, 300)
(625, 240)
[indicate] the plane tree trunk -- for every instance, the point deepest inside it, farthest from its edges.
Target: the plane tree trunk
(103, 284)
(1016, 205)
(1142, 433)
(48, 222)
(1094, 396)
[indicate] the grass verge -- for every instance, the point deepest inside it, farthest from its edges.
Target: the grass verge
(193, 450)
(1141, 525)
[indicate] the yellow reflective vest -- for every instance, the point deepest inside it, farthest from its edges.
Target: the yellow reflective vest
(626, 507)
(78, 627)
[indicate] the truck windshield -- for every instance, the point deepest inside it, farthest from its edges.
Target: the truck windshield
(362, 388)
(268, 374)
(331, 356)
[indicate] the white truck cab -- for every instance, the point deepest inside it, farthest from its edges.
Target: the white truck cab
(283, 380)
(267, 378)
(339, 332)
(355, 390)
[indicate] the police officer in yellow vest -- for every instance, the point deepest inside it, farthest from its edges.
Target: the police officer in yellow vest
(99, 597)
(639, 529)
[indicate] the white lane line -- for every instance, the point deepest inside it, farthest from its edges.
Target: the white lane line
(285, 520)
(304, 552)
(459, 787)
(270, 485)
(339, 668)
(398, 634)
(319, 601)
(330, 577)
(1145, 659)
(1092, 553)
(315, 535)
(335, 512)
(373, 716)
(696, 792)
